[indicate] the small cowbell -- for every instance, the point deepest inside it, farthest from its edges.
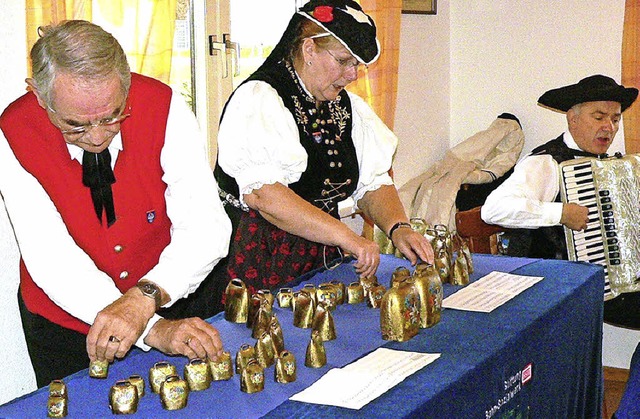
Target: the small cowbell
(197, 374)
(236, 301)
(222, 369)
(265, 353)
(429, 287)
(174, 393)
(316, 356)
(285, 370)
(245, 354)
(262, 319)
(252, 378)
(277, 337)
(355, 293)
(303, 309)
(323, 323)
(285, 297)
(460, 271)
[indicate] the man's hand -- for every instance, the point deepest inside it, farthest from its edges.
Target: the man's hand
(413, 245)
(574, 216)
(119, 325)
(192, 337)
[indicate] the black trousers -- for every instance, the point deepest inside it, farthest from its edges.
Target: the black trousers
(55, 351)
(624, 310)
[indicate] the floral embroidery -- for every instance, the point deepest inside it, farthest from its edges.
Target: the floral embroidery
(340, 116)
(301, 117)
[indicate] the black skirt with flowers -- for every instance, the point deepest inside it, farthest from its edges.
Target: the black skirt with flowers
(267, 257)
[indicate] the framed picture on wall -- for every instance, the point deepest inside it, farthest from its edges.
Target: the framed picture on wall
(425, 7)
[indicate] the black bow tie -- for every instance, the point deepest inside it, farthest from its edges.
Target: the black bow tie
(97, 175)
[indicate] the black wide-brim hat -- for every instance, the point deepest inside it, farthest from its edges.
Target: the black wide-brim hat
(594, 88)
(348, 23)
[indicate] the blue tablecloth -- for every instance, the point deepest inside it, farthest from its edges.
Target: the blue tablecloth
(629, 407)
(552, 331)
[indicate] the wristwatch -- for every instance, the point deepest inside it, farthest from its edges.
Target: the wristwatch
(396, 226)
(151, 290)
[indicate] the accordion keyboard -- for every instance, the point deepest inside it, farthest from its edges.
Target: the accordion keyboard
(598, 243)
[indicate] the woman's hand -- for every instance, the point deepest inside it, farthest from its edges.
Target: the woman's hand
(413, 245)
(366, 252)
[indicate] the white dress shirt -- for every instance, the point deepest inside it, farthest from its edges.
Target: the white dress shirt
(526, 198)
(200, 229)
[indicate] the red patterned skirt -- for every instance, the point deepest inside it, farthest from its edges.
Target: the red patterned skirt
(266, 257)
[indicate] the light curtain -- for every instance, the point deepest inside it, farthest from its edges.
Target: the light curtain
(378, 83)
(631, 72)
(144, 28)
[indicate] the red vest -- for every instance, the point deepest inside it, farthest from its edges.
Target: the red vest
(132, 245)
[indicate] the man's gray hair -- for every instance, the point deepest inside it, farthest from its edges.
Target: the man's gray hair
(577, 108)
(80, 49)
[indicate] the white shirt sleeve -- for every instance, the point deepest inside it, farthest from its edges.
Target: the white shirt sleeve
(200, 228)
(526, 198)
(199, 237)
(258, 140)
(375, 145)
(259, 143)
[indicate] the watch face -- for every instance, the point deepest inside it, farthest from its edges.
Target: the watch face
(149, 289)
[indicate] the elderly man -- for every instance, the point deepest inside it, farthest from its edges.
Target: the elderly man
(529, 201)
(114, 207)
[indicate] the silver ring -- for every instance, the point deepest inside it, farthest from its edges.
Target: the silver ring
(114, 339)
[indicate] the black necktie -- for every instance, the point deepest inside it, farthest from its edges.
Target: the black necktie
(97, 175)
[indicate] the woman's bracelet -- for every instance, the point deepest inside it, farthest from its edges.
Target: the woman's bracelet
(398, 225)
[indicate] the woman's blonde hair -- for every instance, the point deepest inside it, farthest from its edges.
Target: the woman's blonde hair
(309, 29)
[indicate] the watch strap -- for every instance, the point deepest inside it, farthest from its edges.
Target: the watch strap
(398, 225)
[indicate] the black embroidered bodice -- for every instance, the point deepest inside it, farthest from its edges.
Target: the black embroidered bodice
(325, 133)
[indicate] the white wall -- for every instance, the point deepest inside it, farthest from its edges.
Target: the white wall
(422, 111)
(458, 70)
(17, 376)
(504, 55)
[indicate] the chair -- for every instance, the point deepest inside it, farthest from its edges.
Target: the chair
(480, 235)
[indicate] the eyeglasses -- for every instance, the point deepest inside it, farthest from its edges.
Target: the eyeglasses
(81, 130)
(345, 63)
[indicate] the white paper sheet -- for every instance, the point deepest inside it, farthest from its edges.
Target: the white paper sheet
(490, 292)
(356, 384)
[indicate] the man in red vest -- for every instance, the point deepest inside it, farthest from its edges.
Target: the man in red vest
(115, 209)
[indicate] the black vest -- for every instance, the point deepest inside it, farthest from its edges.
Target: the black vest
(325, 133)
(545, 242)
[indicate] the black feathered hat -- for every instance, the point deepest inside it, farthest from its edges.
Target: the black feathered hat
(594, 88)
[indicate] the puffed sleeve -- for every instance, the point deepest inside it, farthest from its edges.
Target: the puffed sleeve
(258, 140)
(375, 145)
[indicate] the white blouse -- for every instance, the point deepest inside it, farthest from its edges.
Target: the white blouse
(259, 143)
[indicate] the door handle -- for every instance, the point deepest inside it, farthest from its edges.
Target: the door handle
(214, 47)
(232, 48)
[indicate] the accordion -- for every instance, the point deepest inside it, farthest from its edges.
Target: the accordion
(610, 188)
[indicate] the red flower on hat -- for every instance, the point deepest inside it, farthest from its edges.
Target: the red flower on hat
(324, 14)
